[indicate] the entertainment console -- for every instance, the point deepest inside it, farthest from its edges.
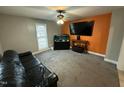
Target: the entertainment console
(80, 46)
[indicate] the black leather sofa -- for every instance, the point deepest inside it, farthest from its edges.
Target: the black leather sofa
(24, 70)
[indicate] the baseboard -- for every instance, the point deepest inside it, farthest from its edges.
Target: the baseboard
(110, 61)
(37, 52)
(105, 59)
(94, 53)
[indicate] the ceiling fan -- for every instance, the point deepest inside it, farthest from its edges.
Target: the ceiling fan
(60, 16)
(64, 13)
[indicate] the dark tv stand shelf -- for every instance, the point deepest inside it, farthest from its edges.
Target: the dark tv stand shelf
(80, 46)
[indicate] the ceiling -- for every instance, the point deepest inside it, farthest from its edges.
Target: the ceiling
(49, 12)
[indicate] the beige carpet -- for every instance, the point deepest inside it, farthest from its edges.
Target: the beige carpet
(76, 70)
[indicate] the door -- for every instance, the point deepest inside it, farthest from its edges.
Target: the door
(42, 40)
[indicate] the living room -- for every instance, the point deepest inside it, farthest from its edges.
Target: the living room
(101, 63)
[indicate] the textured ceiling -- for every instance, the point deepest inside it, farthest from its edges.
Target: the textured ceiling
(49, 12)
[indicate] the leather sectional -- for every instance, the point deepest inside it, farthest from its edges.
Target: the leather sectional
(24, 70)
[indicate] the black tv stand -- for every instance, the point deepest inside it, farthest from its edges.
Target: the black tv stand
(80, 46)
(78, 37)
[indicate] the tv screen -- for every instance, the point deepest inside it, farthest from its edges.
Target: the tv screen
(82, 28)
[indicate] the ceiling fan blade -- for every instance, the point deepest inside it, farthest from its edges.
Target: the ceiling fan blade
(72, 16)
(74, 8)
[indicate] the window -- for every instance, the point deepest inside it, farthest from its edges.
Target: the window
(42, 36)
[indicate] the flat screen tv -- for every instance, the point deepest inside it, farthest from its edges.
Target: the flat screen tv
(82, 28)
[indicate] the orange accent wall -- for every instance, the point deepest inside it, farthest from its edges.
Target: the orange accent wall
(99, 38)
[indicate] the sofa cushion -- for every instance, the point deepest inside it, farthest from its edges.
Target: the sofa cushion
(33, 69)
(36, 72)
(28, 60)
(35, 75)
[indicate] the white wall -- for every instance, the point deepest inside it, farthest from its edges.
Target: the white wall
(19, 33)
(120, 64)
(115, 35)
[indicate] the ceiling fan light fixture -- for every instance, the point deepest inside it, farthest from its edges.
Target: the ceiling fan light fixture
(60, 21)
(60, 17)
